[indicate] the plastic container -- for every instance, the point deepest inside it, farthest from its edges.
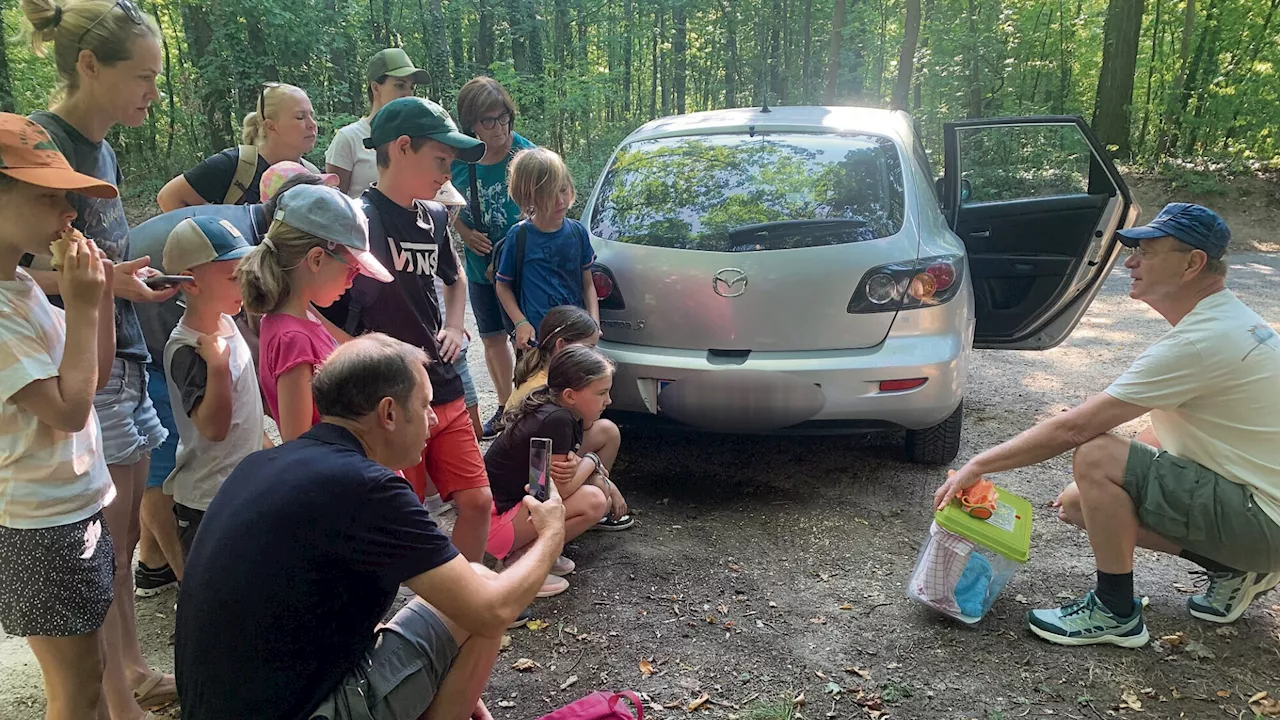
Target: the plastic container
(967, 561)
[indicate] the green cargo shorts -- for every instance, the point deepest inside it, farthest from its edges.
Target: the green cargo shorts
(1201, 511)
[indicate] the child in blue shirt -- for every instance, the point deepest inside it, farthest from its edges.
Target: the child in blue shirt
(556, 268)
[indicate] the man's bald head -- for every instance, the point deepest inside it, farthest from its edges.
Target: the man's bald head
(360, 373)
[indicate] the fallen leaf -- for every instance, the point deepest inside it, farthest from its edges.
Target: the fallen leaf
(724, 609)
(818, 620)
(846, 606)
(1265, 705)
(1223, 693)
(1258, 697)
(744, 676)
(834, 688)
(1174, 640)
(1129, 701)
(859, 672)
(1226, 631)
(646, 668)
(1149, 692)
(524, 665)
(712, 620)
(569, 682)
(505, 644)
(536, 625)
(1197, 650)
(728, 624)
(893, 665)
(773, 604)
(734, 568)
(1023, 599)
(506, 704)
(698, 703)
(672, 705)
(1066, 596)
(874, 714)
(798, 700)
(821, 675)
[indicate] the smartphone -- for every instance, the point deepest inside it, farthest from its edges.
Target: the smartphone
(159, 282)
(539, 467)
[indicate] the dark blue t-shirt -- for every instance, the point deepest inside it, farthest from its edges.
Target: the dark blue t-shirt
(100, 219)
(552, 270)
(298, 558)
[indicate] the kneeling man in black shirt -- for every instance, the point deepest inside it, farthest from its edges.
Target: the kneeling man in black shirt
(302, 551)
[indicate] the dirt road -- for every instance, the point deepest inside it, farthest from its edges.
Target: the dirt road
(764, 568)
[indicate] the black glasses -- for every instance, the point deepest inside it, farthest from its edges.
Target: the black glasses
(130, 10)
(262, 94)
(489, 123)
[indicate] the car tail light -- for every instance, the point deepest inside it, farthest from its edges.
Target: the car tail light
(900, 385)
(606, 288)
(906, 285)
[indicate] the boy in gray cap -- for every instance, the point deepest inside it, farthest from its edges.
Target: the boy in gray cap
(1203, 482)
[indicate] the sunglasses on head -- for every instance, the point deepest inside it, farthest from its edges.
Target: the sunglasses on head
(129, 9)
(262, 94)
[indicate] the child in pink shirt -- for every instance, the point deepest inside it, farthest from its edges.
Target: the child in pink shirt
(318, 242)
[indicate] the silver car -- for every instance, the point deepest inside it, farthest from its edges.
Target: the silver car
(800, 269)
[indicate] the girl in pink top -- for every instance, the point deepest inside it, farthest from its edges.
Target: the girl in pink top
(318, 242)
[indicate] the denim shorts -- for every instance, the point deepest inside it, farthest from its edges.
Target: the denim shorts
(491, 319)
(130, 427)
(164, 457)
(399, 677)
(471, 398)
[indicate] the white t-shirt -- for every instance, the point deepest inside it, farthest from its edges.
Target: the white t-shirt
(348, 152)
(47, 477)
(202, 465)
(1212, 383)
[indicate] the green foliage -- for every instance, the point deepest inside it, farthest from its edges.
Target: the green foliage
(585, 74)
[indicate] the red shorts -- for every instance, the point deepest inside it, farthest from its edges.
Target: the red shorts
(452, 457)
(502, 531)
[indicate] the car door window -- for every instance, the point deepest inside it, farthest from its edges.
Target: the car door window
(1004, 163)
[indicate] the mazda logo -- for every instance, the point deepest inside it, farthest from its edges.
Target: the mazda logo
(729, 282)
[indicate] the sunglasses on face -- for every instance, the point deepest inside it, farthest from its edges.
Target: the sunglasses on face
(129, 9)
(489, 123)
(1141, 252)
(353, 269)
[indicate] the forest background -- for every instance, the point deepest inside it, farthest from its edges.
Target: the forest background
(1188, 88)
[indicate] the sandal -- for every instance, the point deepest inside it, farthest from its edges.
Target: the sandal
(156, 691)
(608, 523)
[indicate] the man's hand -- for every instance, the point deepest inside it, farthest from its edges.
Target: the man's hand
(481, 712)
(966, 478)
(82, 276)
(524, 334)
(563, 471)
(129, 283)
(547, 517)
(450, 340)
(476, 241)
(215, 351)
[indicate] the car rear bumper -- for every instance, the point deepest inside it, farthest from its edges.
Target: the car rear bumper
(809, 390)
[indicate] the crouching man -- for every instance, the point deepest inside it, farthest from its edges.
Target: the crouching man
(303, 549)
(1203, 481)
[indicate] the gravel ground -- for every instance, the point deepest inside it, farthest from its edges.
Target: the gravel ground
(762, 569)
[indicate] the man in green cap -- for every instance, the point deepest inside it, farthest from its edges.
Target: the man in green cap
(415, 141)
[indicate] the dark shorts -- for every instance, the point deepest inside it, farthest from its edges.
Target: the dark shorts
(1201, 511)
(491, 319)
(188, 520)
(399, 677)
(164, 457)
(56, 581)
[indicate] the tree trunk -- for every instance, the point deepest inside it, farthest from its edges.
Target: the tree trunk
(436, 46)
(731, 54)
(6, 83)
(975, 67)
(1152, 61)
(679, 49)
(664, 70)
(457, 47)
(1189, 85)
(1112, 104)
(484, 34)
(6, 96)
(628, 20)
(215, 90)
(833, 53)
(387, 34)
(806, 80)
(519, 47)
(562, 38)
(775, 47)
(653, 66)
(907, 57)
(880, 49)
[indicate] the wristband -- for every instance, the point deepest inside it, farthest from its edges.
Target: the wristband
(523, 321)
(595, 460)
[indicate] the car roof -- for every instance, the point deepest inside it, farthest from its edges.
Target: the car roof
(811, 118)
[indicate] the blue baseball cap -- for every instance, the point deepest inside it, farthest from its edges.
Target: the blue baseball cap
(328, 214)
(1195, 225)
(202, 239)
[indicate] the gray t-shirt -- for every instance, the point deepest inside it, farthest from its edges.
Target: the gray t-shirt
(100, 219)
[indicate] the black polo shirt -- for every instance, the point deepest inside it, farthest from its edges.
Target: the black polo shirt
(298, 558)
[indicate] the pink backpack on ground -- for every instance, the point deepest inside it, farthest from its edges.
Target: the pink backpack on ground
(599, 705)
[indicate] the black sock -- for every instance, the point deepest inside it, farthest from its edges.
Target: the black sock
(1115, 591)
(1206, 563)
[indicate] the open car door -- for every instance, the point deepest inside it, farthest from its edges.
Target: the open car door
(1037, 201)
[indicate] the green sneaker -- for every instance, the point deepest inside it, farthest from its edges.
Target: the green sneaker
(1087, 621)
(1228, 594)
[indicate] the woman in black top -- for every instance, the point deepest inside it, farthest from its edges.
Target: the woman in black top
(281, 127)
(577, 391)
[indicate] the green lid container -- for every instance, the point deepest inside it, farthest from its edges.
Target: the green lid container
(1007, 532)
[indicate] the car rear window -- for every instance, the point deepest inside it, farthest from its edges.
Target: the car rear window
(742, 193)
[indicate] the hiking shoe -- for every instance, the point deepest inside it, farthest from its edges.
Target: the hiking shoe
(149, 582)
(490, 428)
(1087, 621)
(1227, 594)
(608, 523)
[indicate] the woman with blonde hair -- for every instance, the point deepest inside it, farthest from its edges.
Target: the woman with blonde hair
(281, 127)
(107, 56)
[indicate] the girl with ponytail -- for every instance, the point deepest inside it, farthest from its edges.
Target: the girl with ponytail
(579, 379)
(107, 56)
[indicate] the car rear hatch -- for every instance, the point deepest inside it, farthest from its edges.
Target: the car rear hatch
(748, 242)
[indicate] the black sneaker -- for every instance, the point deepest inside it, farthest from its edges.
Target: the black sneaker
(490, 428)
(149, 582)
(525, 616)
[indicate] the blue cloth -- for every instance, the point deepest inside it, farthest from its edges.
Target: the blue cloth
(1195, 225)
(971, 589)
(552, 270)
(164, 457)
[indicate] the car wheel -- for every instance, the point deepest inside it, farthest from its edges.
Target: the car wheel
(938, 444)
